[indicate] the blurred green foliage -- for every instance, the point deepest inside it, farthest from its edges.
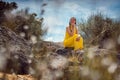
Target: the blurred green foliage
(21, 21)
(98, 27)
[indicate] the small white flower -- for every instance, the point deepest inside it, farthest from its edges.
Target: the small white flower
(85, 71)
(112, 68)
(22, 34)
(2, 62)
(58, 73)
(106, 61)
(31, 71)
(91, 52)
(26, 27)
(33, 39)
(58, 62)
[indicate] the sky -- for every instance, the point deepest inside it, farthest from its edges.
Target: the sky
(58, 12)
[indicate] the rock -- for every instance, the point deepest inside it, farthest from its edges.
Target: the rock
(14, 51)
(65, 51)
(44, 47)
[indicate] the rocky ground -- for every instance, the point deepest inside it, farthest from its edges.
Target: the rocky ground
(53, 61)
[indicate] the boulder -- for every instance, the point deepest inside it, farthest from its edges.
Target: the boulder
(15, 52)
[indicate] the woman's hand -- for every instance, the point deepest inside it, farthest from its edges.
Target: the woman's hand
(69, 31)
(78, 38)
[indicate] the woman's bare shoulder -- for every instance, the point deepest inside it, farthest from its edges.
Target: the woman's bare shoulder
(67, 27)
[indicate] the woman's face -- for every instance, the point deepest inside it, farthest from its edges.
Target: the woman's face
(72, 21)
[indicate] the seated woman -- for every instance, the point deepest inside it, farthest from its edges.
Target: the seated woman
(72, 38)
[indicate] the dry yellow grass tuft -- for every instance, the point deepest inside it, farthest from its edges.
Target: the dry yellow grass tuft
(15, 77)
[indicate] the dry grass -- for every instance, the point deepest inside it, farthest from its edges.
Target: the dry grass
(15, 77)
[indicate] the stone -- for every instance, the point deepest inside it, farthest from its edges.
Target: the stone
(15, 51)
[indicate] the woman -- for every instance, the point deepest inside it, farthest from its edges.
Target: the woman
(72, 38)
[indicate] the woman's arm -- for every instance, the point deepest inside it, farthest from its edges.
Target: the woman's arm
(78, 38)
(69, 32)
(76, 30)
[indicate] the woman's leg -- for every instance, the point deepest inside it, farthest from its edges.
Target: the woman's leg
(70, 41)
(78, 44)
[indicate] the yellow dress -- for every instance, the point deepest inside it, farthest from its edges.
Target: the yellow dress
(70, 41)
